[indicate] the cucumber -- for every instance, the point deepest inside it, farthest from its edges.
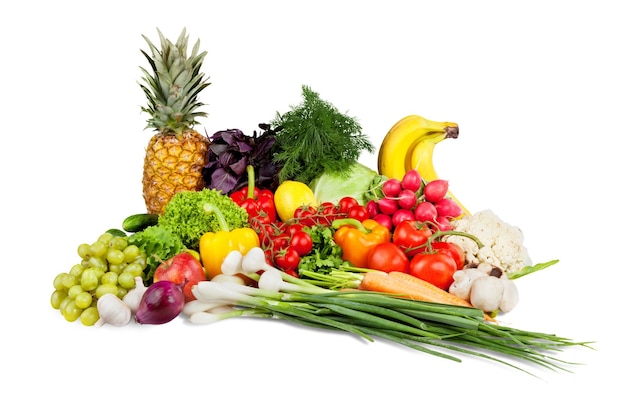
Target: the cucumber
(139, 222)
(116, 232)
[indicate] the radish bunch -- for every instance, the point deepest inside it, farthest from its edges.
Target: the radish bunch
(411, 198)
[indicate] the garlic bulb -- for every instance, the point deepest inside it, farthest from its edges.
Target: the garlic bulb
(113, 311)
(133, 297)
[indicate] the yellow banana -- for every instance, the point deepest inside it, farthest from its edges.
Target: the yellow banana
(395, 151)
(422, 161)
(410, 143)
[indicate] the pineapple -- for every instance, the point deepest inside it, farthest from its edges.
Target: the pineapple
(177, 153)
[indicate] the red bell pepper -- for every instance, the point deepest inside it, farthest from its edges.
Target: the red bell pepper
(258, 203)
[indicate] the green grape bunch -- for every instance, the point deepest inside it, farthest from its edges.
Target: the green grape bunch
(107, 266)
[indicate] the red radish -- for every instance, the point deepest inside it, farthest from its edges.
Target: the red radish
(443, 223)
(372, 208)
(387, 206)
(436, 190)
(425, 211)
(401, 215)
(407, 199)
(384, 219)
(446, 207)
(391, 188)
(411, 180)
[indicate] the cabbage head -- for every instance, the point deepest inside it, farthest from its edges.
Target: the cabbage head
(359, 182)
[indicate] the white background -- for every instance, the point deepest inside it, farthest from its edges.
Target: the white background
(537, 89)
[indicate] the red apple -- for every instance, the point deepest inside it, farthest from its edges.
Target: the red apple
(180, 269)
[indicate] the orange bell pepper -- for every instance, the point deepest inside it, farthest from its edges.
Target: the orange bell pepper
(357, 238)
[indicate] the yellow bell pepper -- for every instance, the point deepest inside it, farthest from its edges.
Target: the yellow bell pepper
(216, 245)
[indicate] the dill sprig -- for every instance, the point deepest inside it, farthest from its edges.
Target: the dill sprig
(314, 138)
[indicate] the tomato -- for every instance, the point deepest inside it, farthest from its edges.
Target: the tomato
(304, 211)
(280, 242)
(358, 212)
(453, 250)
(306, 215)
(436, 268)
(388, 257)
(287, 259)
(291, 229)
(346, 203)
(327, 208)
(266, 232)
(302, 242)
(327, 213)
(410, 236)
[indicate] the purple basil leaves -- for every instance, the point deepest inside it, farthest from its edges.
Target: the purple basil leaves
(231, 151)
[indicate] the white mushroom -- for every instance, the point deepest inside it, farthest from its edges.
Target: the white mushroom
(462, 285)
(487, 293)
(485, 287)
(463, 279)
(510, 296)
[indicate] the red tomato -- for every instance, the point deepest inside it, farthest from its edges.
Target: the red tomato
(327, 208)
(302, 243)
(287, 259)
(291, 229)
(306, 215)
(453, 250)
(436, 268)
(388, 257)
(358, 212)
(410, 236)
(346, 203)
(280, 242)
(328, 212)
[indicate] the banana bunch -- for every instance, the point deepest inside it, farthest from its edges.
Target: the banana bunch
(410, 144)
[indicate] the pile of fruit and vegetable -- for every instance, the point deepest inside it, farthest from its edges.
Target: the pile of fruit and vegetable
(285, 223)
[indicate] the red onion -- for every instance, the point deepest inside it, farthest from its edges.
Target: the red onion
(162, 302)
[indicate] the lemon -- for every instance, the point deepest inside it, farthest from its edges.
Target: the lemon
(290, 195)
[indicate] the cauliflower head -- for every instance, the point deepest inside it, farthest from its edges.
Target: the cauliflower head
(503, 244)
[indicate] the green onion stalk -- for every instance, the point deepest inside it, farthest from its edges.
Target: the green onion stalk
(437, 329)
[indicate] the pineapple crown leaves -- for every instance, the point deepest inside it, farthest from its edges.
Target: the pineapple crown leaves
(173, 86)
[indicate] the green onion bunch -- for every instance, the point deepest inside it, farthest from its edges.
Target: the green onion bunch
(436, 329)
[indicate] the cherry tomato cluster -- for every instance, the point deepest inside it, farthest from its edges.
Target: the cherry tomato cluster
(410, 198)
(285, 243)
(327, 212)
(418, 249)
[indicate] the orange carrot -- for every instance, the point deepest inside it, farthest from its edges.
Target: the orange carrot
(412, 287)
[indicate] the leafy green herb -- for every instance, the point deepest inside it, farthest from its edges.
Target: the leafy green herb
(325, 255)
(314, 138)
(530, 269)
(159, 244)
